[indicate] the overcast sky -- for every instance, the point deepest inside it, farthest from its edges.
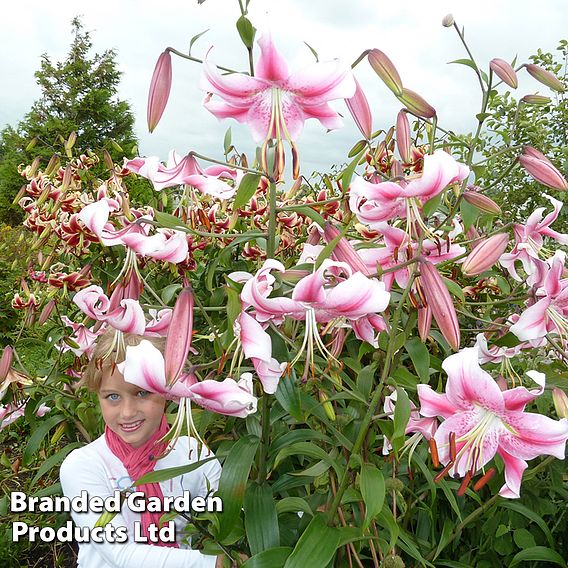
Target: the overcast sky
(409, 32)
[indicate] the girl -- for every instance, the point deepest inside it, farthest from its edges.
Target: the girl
(135, 423)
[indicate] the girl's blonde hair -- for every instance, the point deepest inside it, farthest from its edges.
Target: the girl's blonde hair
(110, 349)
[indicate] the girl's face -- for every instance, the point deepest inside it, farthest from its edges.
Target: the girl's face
(130, 412)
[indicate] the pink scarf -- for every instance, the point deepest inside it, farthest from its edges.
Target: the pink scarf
(139, 461)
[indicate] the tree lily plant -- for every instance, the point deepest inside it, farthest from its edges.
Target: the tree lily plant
(318, 329)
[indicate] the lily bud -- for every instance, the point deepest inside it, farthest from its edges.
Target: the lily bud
(560, 402)
(344, 251)
(178, 340)
(545, 77)
(538, 100)
(416, 104)
(440, 302)
(504, 71)
(46, 312)
(6, 362)
(385, 69)
(448, 21)
(424, 321)
(482, 202)
(359, 108)
(159, 89)
(473, 235)
(485, 254)
(542, 170)
(403, 141)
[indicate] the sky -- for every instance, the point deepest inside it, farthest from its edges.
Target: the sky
(409, 32)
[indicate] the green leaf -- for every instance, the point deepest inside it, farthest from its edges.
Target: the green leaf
(469, 213)
(524, 539)
(54, 460)
(365, 379)
(233, 482)
(261, 519)
(233, 308)
(401, 418)
(168, 293)
(372, 484)
(170, 472)
(538, 553)
(247, 188)
(444, 537)
(531, 515)
(310, 450)
(195, 38)
(420, 358)
(168, 221)
(349, 171)
(246, 30)
(311, 214)
(38, 435)
(227, 141)
(293, 505)
(288, 396)
(300, 435)
(431, 205)
(273, 558)
(316, 547)
(467, 62)
(454, 289)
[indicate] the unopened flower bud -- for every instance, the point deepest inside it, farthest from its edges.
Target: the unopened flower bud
(560, 400)
(485, 254)
(537, 100)
(448, 21)
(545, 77)
(504, 71)
(6, 362)
(416, 104)
(482, 202)
(46, 312)
(403, 141)
(385, 69)
(360, 111)
(344, 251)
(440, 302)
(542, 170)
(159, 89)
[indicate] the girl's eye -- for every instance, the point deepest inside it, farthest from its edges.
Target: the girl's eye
(112, 396)
(143, 393)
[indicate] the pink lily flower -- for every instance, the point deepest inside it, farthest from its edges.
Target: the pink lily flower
(83, 336)
(495, 353)
(226, 397)
(529, 240)
(549, 314)
(275, 103)
(165, 244)
(159, 324)
(257, 346)
(10, 413)
(144, 366)
(185, 170)
(128, 316)
(398, 248)
(374, 203)
(486, 421)
(418, 426)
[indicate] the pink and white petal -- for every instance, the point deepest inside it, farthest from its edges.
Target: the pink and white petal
(440, 169)
(434, 404)
(226, 397)
(309, 289)
(530, 435)
(461, 424)
(269, 373)
(254, 340)
(225, 110)
(160, 322)
(322, 82)
(469, 384)
(519, 397)
(92, 301)
(144, 366)
(368, 327)
(128, 317)
(232, 88)
(211, 186)
(270, 65)
(358, 296)
(514, 469)
(324, 113)
(95, 216)
(533, 322)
